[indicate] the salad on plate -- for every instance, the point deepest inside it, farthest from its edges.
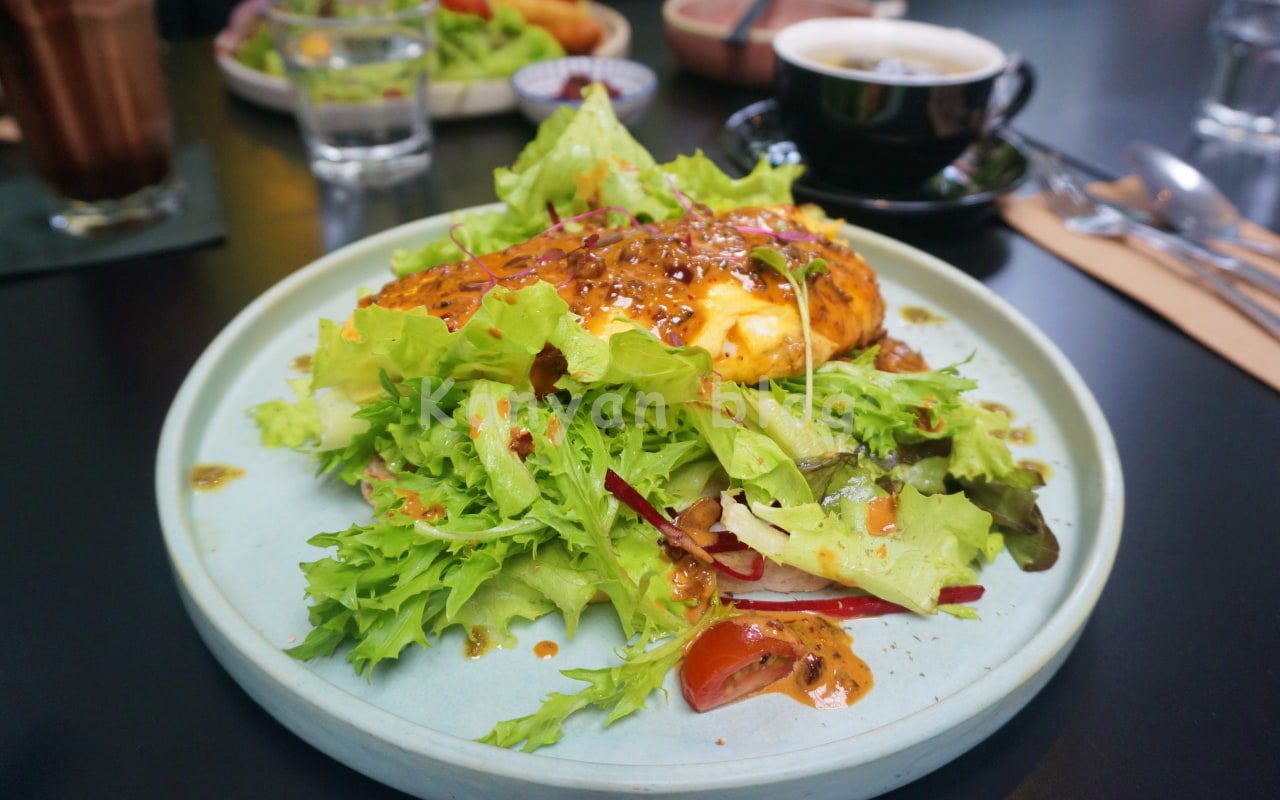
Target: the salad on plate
(474, 39)
(659, 388)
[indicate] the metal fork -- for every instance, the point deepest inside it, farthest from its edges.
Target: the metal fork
(1082, 215)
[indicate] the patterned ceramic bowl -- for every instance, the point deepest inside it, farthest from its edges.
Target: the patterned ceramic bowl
(545, 86)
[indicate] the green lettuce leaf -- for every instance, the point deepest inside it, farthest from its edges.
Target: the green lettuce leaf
(468, 47)
(285, 424)
(585, 160)
(621, 690)
(936, 541)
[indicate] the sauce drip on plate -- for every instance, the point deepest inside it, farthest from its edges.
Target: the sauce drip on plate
(210, 477)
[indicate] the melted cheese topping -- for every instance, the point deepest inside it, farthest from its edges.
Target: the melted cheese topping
(691, 282)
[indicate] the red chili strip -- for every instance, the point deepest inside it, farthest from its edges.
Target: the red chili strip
(854, 606)
(626, 493)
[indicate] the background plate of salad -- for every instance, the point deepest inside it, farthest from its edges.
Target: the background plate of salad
(942, 684)
(479, 48)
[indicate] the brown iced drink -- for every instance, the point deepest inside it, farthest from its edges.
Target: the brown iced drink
(83, 78)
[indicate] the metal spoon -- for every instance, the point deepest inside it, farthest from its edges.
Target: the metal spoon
(1188, 200)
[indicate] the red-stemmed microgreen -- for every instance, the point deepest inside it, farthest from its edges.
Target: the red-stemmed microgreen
(798, 279)
(629, 496)
(688, 209)
(493, 279)
(689, 206)
(560, 223)
(586, 246)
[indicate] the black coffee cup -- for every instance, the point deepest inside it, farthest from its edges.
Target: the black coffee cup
(883, 105)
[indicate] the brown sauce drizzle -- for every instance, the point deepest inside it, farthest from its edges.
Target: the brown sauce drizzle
(920, 315)
(478, 642)
(1039, 466)
(521, 442)
(895, 355)
(1019, 436)
(829, 675)
(691, 581)
(415, 508)
(998, 408)
(546, 649)
(882, 515)
(211, 477)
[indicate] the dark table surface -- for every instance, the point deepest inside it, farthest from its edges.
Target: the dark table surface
(106, 690)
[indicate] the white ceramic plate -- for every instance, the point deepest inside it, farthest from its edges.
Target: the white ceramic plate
(942, 684)
(445, 99)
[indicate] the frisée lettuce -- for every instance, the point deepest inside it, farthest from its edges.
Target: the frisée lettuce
(585, 159)
(489, 498)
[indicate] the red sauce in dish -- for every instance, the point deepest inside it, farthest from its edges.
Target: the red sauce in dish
(576, 82)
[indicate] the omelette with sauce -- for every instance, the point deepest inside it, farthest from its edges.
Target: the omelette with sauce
(690, 281)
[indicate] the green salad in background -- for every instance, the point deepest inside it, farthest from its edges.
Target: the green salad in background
(467, 46)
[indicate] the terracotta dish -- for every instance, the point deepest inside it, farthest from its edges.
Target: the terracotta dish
(696, 32)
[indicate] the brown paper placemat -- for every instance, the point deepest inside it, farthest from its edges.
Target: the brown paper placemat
(1160, 282)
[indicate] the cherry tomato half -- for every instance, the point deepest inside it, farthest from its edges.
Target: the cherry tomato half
(480, 7)
(734, 658)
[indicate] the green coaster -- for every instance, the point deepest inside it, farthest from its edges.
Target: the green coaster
(29, 245)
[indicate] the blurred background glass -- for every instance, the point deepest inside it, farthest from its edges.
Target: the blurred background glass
(359, 75)
(84, 80)
(1243, 102)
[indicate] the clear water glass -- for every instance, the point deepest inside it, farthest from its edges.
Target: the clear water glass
(359, 75)
(1243, 102)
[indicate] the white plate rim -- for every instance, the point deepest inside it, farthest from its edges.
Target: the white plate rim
(445, 99)
(896, 753)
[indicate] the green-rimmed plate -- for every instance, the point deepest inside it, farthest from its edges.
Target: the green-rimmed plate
(942, 684)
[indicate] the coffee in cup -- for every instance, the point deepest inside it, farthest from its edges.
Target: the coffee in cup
(883, 105)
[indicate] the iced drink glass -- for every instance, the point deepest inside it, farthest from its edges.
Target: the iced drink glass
(84, 80)
(359, 75)
(1243, 102)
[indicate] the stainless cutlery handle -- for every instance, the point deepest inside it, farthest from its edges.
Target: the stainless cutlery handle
(1262, 248)
(1204, 263)
(1241, 269)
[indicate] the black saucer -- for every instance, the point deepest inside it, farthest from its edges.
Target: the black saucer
(962, 193)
